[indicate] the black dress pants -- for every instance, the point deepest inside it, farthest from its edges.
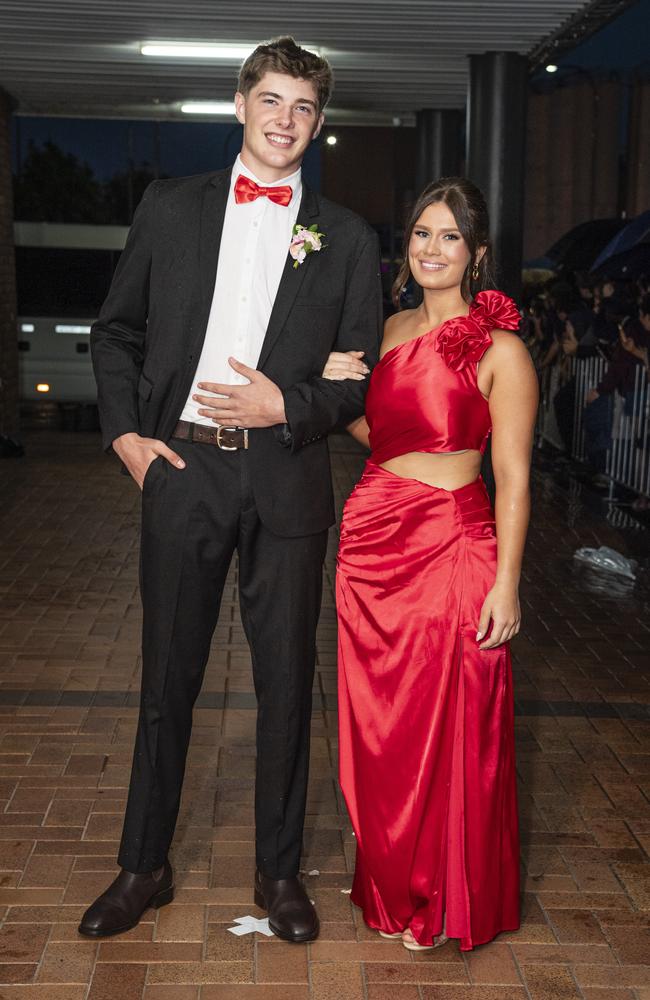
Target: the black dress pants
(193, 520)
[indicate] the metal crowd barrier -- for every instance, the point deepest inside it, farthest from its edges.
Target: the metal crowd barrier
(627, 461)
(587, 372)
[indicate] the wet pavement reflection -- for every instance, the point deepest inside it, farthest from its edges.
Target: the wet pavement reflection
(69, 680)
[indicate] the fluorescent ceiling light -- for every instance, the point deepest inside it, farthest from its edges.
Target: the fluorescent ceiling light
(199, 50)
(183, 50)
(70, 328)
(27, 327)
(209, 108)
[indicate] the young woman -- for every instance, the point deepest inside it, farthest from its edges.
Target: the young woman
(427, 592)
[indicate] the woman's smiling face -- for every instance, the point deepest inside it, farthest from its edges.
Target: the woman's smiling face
(438, 254)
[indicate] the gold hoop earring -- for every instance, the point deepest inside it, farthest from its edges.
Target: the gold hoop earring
(475, 272)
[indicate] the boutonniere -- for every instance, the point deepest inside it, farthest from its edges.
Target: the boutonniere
(305, 241)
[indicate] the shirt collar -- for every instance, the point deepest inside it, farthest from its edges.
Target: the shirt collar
(294, 179)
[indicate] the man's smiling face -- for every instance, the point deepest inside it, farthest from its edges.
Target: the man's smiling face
(280, 118)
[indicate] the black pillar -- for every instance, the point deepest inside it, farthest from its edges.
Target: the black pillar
(8, 331)
(440, 142)
(496, 137)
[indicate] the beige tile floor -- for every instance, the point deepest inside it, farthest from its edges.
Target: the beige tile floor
(69, 660)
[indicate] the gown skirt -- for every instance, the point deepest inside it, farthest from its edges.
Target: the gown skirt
(426, 721)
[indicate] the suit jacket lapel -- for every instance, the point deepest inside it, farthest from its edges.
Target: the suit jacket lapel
(213, 211)
(291, 280)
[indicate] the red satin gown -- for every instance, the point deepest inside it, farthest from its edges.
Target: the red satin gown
(426, 724)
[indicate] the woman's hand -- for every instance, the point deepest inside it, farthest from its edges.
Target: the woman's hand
(501, 607)
(339, 366)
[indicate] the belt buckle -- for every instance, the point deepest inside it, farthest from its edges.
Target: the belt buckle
(230, 447)
(225, 447)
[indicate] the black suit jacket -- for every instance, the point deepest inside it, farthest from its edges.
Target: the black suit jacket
(147, 340)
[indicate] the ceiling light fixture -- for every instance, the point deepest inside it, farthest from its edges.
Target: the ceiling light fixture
(331, 140)
(187, 50)
(551, 68)
(199, 50)
(209, 108)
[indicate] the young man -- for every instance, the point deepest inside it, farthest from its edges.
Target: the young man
(208, 353)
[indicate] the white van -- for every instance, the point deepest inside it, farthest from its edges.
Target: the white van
(63, 274)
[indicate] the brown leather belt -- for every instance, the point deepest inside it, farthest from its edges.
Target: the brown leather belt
(225, 438)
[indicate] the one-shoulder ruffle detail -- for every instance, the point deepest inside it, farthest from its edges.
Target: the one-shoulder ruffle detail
(464, 340)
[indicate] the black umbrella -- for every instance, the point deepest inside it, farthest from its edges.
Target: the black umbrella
(635, 234)
(626, 266)
(579, 248)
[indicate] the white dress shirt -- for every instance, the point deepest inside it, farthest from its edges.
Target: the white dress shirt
(252, 255)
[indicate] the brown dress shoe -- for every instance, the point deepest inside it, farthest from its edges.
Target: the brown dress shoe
(292, 916)
(121, 906)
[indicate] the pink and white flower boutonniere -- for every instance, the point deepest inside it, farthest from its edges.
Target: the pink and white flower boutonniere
(305, 241)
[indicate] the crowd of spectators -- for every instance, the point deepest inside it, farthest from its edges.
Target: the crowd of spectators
(576, 317)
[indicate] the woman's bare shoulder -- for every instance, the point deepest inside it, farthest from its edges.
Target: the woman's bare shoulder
(397, 320)
(508, 346)
(397, 326)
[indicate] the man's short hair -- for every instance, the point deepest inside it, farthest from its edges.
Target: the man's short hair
(284, 55)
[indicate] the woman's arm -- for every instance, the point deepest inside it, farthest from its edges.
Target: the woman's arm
(340, 366)
(359, 431)
(350, 365)
(343, 365)
(513, 399)
(551, 354)
(315, 406)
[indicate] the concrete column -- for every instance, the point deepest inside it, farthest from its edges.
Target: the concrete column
(496, 135)
(8, 335)
(439, 145)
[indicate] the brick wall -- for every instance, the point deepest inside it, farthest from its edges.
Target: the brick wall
(8, 338)
(571, 160)
(638, 179)
(370, 170)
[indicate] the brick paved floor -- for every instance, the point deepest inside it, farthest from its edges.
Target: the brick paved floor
(69, 633)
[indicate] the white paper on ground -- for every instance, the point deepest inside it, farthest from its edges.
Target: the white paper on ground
(249, 925)
(609, 560)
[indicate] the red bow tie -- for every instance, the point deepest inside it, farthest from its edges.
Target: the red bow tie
(247, 190)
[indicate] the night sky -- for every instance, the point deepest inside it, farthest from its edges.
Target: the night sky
(186, 147)
(622, 46)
